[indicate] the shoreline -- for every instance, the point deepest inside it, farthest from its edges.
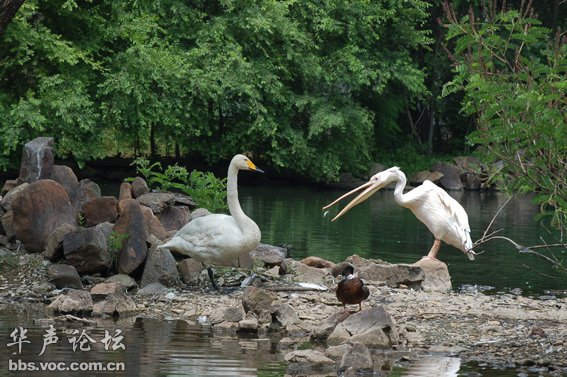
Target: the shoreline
(501, 330)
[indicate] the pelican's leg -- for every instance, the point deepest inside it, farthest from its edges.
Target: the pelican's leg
(210, 272)
(434, 250)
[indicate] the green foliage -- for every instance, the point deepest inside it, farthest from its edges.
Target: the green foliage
(115, 242)
(301, 84)
(205, 189)
(512, 72)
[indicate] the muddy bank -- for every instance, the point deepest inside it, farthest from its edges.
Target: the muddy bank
(500, 331)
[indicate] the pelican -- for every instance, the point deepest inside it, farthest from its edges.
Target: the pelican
(443, 215)
(351, 290)
(217, 239)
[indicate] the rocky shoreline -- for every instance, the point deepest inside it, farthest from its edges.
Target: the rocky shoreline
(498, 331)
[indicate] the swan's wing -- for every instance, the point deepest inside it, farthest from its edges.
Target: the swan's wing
(211, 231)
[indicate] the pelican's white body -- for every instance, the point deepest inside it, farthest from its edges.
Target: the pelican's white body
(218, 239)
(433, 206)
(441, 214)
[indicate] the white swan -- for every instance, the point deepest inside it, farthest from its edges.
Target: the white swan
(218, 239)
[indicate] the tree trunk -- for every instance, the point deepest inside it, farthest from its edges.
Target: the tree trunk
(8, 9)
(153, 146)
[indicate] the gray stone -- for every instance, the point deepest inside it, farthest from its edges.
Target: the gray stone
(65, 176)
(139, 187)
(75, 301)
(64, 276)
(54, 242)
(126, 281)
(160, 267)
(37, 161)
(313, 357)
(159, 201)
(451, 179)
(153, 289)
(87, 250)
(6, 201)
(117, 303)
(325, 329)
(436, 276)
(285, 315)
(257, 300)
(190, 270)
(102, 290)
(357, 357)
(269, 255)
(100, 210)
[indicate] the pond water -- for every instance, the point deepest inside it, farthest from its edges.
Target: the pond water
(381, 229)
(287, 215)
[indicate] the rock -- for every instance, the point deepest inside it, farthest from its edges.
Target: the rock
(357, 357)
(315, 358)
(75, 301)
(115, 303)
(425, 175)
(174, 217)
(139, 187)
(173, 210)
(451, 179)
(9, 184)
(125, 191)
(100, 210)
(285, 315)
(153, 225)
(65, 176)
(38, 211)
(37, 160)
(250, 323)
(269, 255)
(436, 276)
(372, 327)
(6, 201)
(54, 242)
(393, 274)
(190, 270)
(126, 281)
(325, 329)
(88, 190)
(7, 221)
(317, 262)
(160, 267)
(102, 290)
(134, 248)
(306, 274)
(257, 300)
(153, 289)
(64, 276)
(337, 352)
(87, 250)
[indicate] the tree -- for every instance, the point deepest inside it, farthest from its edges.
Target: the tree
(8, 9)
(512, 71)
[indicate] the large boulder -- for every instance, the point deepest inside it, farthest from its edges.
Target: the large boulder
(436, 276)
(172, 209)
(75, 301)
(65, 176)
(160, 267)
(257, 300)
(37, 160)
(451, 179)
(372, 327)
(134, 248)
(87, 249)
(139, 187)
(100, 210)
(38, 211)
(54, 242)
(64, 276)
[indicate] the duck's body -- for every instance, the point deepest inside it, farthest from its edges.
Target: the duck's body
(351, 289)
(218, 239)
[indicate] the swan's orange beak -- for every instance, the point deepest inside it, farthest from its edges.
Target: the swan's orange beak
(253, 167)
(369, 188)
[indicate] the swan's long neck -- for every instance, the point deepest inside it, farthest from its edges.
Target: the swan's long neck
(400, 177)
(232, 196)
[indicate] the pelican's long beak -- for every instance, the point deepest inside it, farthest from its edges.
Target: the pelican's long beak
(369, 188)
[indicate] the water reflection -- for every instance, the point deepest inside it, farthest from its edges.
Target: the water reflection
(381, 229)
(152, 347)
(434, 366)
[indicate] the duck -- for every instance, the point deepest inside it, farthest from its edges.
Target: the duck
(218, 239)
(351, 289)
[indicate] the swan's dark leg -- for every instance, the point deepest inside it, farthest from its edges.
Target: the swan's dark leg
(210, 272)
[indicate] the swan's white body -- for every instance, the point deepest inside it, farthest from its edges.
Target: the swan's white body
(443, 215)
(218, 239)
